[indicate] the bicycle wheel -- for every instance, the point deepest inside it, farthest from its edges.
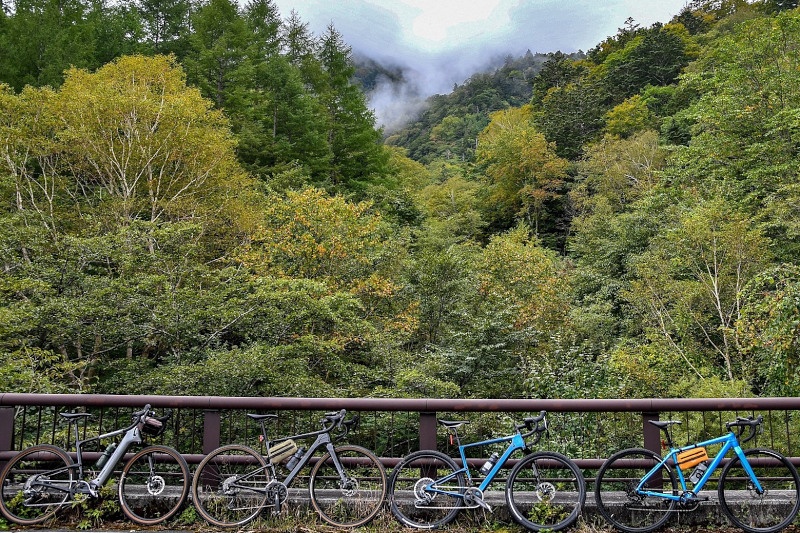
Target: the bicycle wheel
(35, 483)
(417, 486)
(153, 485)
(355, 500)
(770, 511)
(545, 490)
(616, 496)
(229, 486)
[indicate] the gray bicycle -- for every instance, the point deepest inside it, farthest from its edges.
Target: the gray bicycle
(42, 479)
(347, 484)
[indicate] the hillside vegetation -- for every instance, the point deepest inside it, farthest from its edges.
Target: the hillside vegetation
(195, 200)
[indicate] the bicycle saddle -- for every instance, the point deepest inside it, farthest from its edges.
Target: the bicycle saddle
(71, 416)
(261, 417)
(661, 424)
(452, 424)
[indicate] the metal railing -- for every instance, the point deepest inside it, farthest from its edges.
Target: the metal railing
(585, 430)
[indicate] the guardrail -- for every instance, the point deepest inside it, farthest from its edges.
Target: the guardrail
(586, 430)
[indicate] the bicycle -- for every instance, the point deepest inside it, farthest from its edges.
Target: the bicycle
(545, 490)
(347, 485)
(759, 491)
(41, 479)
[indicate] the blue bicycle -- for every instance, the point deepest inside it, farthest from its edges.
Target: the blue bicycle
(544, 490)
(637, 490)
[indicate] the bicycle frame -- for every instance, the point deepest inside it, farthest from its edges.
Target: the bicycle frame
(323, 440)
(81, 486)
(132, 436)
(728, 442)
(516, 443)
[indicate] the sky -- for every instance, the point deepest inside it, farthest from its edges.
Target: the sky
(443, 42)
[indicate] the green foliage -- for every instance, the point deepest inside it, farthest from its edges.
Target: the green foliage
(224, 220)
(769, 329)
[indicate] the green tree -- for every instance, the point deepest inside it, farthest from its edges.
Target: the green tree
(166, 25)
(571, 116)
(217, 58)
(769, 330)
(688, 286)
(522, 168)
(357, 156)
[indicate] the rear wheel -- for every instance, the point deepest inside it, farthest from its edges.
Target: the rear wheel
(230, 486)
(617, 498)
(154, 485)
(35, 484)
(354, 500)
(421, 490)
(769, 511)
(545, 490)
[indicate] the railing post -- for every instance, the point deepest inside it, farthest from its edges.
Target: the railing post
(427, 431)
(211, 431)
(211, 440)
(652, 435)
(6, 431)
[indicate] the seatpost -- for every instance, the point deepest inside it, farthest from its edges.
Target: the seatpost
(455, 432)
(264, 432)
(669, 437)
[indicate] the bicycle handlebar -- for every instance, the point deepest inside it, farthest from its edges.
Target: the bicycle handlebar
(535, 425)
(755, 425)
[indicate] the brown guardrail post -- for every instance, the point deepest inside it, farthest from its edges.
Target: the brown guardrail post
(652, 435)
(211, 430)
(6, 431)
(211, 439)
(427, 431)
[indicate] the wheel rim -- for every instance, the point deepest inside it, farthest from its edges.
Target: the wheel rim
(545, 492)
(153, 485)
(24, 499)
(413, 503)
(352, 501)
(225, 491)
(769, 511)
(617, 500)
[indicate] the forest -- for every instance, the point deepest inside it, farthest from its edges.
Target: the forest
(195, 200)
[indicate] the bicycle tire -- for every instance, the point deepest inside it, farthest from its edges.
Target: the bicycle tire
(415, 506)
(615, 493)
(545, 490)
(356, 501)
(221, 503)
(769, 512)
(40, 504)
(153, 485)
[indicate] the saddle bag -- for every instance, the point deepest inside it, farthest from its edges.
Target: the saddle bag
(281, 451)
(690, 458)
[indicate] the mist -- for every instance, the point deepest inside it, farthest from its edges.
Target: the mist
(440, 43)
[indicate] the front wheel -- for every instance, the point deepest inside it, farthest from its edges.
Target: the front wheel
(545, 490)
(230, 486)
(353, 498)
(426, 490)
(621, 504)
(153, 485)
(35, 484)
(766, 511)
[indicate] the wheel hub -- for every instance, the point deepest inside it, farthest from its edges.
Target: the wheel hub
(156, 485)
(349, 487)
(545, 491)
(420, 493)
